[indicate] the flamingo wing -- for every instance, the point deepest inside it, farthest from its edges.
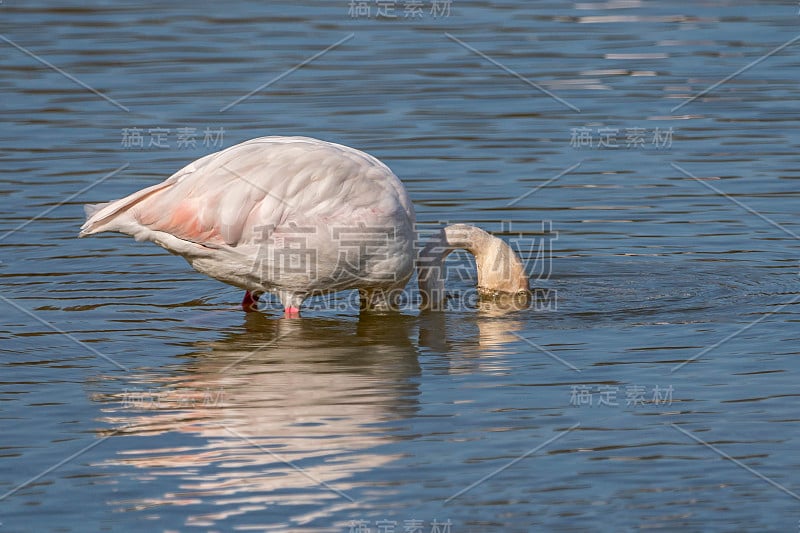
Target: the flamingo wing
(222, 199)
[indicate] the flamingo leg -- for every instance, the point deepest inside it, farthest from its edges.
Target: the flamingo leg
(250, 302)
(291, 312)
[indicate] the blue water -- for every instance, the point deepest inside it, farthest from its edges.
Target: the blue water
(136, 395)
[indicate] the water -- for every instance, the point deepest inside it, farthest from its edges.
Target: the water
(136, 395)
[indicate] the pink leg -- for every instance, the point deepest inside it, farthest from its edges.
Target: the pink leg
(249, 303)
(291, 312)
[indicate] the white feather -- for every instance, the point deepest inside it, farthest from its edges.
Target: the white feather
(231, 214)
(214, 212)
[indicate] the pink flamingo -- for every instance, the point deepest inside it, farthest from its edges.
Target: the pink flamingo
(298, 216)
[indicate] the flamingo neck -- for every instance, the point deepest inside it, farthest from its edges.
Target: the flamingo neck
(500, 271)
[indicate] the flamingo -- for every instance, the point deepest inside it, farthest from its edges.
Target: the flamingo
(297, 216)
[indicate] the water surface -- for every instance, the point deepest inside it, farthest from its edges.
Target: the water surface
(136, 394)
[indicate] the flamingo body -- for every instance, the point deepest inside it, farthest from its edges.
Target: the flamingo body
(290, 215)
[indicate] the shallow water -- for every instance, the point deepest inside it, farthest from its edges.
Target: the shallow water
(135, 394)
